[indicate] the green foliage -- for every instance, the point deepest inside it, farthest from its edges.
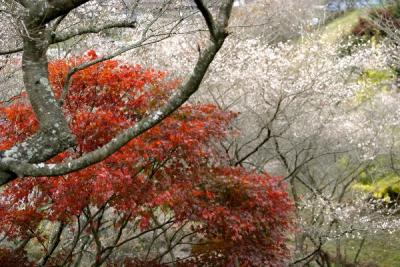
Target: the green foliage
(340, 26)
(379, 179)
(387, 188)
(374, 82)
(377, 76)
(365, 179)
(344, 161)
(381, 249)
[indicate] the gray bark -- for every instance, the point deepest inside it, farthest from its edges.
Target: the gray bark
(54, 136)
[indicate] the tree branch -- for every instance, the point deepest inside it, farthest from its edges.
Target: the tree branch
(46, 11)
(207, 17)
(62, 37)
(23, 168)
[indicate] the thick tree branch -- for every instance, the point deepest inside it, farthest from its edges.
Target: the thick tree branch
(44, 11)
(207, 17)
(39, 13)
(54, 135)
(23, 168)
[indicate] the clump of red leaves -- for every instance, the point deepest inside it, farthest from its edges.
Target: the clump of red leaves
(241, 216)
(13, 258)
(377, 20)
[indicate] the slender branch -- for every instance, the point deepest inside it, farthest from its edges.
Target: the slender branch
(54, 243)
(253, 151)
(62, 37)
(85, 65)
(170, 221)
(310, 255)
(109, 250)
(11, 51)
(359, 251)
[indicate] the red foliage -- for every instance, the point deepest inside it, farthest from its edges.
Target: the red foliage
(365, 28)
(377, 21)
(13, 258)
(241, 216)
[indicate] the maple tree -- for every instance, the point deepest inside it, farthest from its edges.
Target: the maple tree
(171, 182)
(42, 23)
